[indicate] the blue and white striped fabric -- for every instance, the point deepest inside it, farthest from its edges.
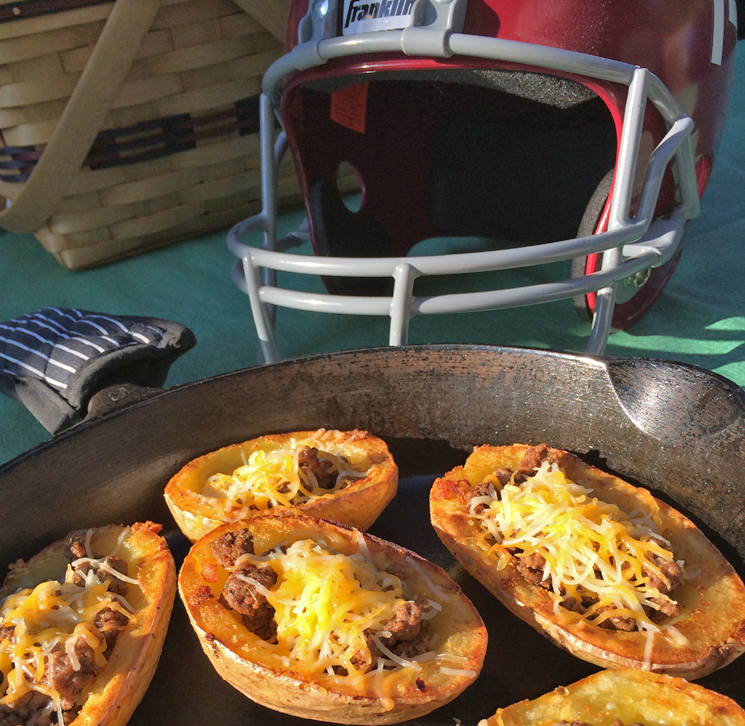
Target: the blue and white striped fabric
(53, 344)
(53, 360)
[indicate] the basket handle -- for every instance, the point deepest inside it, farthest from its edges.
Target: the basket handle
(83, 116)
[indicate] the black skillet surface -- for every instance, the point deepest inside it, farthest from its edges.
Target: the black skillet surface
(674, 428)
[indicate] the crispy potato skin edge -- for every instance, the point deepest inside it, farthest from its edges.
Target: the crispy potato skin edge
(357, 505)
(713, 620)
(651, 698)
(285, 691)
(120, 686)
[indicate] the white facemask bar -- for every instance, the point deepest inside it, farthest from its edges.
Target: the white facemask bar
(630, 244)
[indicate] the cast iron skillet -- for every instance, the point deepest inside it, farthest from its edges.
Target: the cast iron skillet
(674, 428)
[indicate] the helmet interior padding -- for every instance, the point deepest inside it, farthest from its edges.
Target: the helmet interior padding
(441, 157)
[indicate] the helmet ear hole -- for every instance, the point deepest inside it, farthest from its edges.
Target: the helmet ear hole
(338, 232)
(349, 181)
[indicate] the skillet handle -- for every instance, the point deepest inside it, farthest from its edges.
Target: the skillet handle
(116, 397)
(674, 401)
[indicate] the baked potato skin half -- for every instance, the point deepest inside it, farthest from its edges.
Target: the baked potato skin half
(121, 685)
(630, 695)
(712, 603)
(234, 652)
(359, 504)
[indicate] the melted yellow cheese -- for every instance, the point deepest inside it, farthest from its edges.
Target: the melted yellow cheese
(49, 615)
(271, 478)
(326, 603)
(590, 547)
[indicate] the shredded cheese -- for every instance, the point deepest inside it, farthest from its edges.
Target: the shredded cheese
(272, 478)
(591, 549)
(467, 672)
(675, 634)
(330, 606)
(650, 631)
(52, 616)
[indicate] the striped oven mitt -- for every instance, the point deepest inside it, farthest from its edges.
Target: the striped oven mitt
(55, 359)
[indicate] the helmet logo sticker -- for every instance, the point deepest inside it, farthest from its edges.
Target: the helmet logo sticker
(365, 17)
(349, 107)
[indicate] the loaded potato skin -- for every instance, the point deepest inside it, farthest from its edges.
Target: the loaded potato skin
(220, 486)
(132, 627)
(251, 652)
(705, 627)
(631, 696)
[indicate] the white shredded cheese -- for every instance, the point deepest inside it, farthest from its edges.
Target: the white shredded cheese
(439, 592)
(590, 549)
(272, 478)
(457, 672)
(676, 635)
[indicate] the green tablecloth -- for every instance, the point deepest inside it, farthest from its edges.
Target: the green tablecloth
(700, 318)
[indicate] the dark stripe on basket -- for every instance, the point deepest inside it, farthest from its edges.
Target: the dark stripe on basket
(20, 160)
(168, 135)
(18, 178)
(146, 140)
(34, 8)
(21, 152)
(15, 164)
(155, 123)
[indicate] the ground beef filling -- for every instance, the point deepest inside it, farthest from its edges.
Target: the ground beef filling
(408, 629)
(531, 567)
(243, 596)
(33, 709)
(408, 635)
(76, 551)
(228, 547)
(308, 461)
(110, 624)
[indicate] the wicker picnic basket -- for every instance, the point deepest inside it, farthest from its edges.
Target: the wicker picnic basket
(127, 125)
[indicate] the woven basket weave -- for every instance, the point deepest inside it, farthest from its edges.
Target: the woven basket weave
(127, 125)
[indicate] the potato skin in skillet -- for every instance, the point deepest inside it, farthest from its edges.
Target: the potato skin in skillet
(110, 700)
(631, 695)
(244, 660)
(358, 504)
(712, 603)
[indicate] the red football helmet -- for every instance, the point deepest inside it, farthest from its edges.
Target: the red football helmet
(581, 131)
